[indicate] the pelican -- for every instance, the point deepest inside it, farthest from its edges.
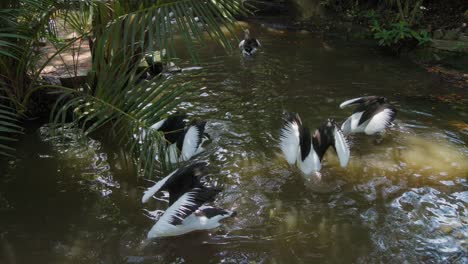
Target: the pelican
(187, 211)
(249, 45)
(372, 115)
(189, 143)
(307, 151)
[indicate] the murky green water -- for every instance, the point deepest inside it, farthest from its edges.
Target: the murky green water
(76, 201)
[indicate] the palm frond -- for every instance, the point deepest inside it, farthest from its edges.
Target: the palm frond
(156, 27)
(79, 16)
(117, 97)
(21, 24)
(8, 127)
(125, 105)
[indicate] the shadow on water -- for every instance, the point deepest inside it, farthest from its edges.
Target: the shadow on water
(72, 199)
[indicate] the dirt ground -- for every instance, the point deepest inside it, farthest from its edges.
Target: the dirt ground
(74, 61)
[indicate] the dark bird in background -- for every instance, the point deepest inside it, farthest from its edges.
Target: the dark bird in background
(249, 45)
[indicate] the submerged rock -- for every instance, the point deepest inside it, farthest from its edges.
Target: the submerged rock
(449, 45)
(463, 37)
(452, 34)
(438, 34)
(73, 81)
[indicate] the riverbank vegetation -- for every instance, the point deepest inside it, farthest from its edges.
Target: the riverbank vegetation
(433, 34)
(397, 23)
(116, 93)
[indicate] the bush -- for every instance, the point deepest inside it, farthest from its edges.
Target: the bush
(398, 33)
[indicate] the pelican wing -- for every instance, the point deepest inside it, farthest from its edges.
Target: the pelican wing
(370, 111)
(172, 127)
(341, 146)
(192, 140)
(178, 182)
(352, 123)
(172, 154)
(184, 180)
(153, 127)
(346, 126)
(158, 186)
(187, 204)
(380, 121)
(290, 137)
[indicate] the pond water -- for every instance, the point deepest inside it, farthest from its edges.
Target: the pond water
(69, 199)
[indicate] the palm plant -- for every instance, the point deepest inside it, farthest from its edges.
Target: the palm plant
(19, 29)
(122, 33)
(408, 10)
(8, 127)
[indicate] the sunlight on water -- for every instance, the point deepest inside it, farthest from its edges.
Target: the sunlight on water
(421, 156)
(432, 156)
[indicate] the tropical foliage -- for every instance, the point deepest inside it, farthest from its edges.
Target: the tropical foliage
(409, 11)
(393, 23)
(8, 127)
(120, 33)
(398, 27)
(397, 33)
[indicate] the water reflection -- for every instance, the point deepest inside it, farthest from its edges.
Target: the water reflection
(429, 224)
(82, 157)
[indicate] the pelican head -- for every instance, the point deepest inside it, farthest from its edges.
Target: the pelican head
(246, 34)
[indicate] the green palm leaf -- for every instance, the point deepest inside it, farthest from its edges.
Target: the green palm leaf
(155, 27)
(123, 33)
(8, 127)
(125, 105)
(118, 99)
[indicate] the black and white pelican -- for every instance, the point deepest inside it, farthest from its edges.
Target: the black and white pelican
(187, 196)
(189, 143)
(182, 141)
(249, 45)
(307, 151)
(373, 114)
(172, 127)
